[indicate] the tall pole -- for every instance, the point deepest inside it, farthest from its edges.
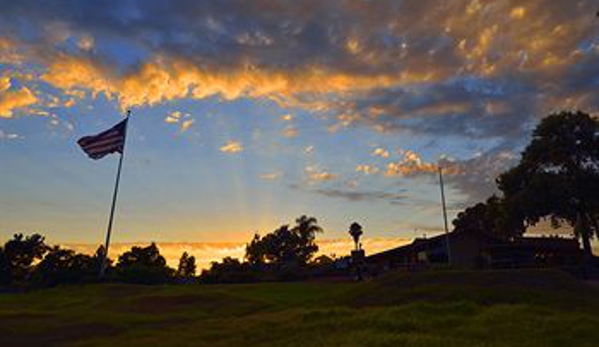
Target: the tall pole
(104, 263)
(444, 215)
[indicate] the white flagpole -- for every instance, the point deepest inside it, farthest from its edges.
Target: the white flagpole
(104, 262)
(444, 215)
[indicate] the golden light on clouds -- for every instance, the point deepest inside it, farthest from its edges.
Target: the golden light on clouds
(380, 152)
(183, 119)
(232, 147)
(271, 176)
(313, 174)
(518, 12)
(410, 164)
(13, 99)
(367, 169)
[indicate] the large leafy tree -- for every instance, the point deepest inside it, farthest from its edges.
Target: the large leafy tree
(17, 257)
(61, 266)
(143, 265)
(285, 245)
(187, 266)
(492, 217)
(558, 176)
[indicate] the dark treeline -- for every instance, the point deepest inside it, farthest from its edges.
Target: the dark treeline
(28, 262)
(284, 254)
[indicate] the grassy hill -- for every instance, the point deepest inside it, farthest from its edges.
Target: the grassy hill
(511, 308)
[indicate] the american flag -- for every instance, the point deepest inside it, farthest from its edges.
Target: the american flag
(106, 142)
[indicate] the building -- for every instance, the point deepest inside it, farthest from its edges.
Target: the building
(471, 249)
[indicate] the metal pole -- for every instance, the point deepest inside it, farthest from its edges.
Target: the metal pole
(104, 262)
(445, 216)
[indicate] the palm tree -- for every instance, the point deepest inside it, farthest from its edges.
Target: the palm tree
(355, 230)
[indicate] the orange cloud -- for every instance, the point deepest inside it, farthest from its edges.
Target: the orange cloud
(162, 79)
(232, 147)
(11, 99)
(271, 176)
(380, 152)
(184, 119)
(367, 169)
(186, 124)
(315, 175)
(410, 164)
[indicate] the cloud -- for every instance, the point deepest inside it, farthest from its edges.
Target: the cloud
(367, 169)
(356, 195)
(411, 164)
(290, 131)
(308, 149)
(186, 124)
(183, 119)
(231, 147)
(474, 178)
(482, 69)
(173, 117)
(314, 174)
(287, 117)
(380, 152)
(305, 54)
(271, 176)
(8, 136)
(12, 99)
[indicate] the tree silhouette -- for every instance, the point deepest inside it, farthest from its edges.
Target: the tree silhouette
(64, 266)
(558, 175)
(285, 246)
(17, 257)
(187, 266)
(143, 265)
(491, 217)
(355, 230)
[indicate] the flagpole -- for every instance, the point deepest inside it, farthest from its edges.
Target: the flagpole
(104, 263)
(444, 215)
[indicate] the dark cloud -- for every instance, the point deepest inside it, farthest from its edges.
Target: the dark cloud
(475, 178)
(356, 195)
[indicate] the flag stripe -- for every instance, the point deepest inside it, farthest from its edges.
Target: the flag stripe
(117, 140)
(108, 148)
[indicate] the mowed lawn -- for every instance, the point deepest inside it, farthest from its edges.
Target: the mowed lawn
(448, 308)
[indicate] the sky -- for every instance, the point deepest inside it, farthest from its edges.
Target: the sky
(248, 114)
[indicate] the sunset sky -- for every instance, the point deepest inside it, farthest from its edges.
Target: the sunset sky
(247, 114)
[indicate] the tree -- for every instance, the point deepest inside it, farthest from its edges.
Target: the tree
(355, 230)
(187, 266)
(491, 217)
(558, 175)
(143, 265)
(230, 270)
(17, 257)
(65, 266)
(285, 246)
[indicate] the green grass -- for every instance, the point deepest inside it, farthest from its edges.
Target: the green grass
(446, 308)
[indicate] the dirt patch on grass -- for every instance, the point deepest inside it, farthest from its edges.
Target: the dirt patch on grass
(57, 335)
